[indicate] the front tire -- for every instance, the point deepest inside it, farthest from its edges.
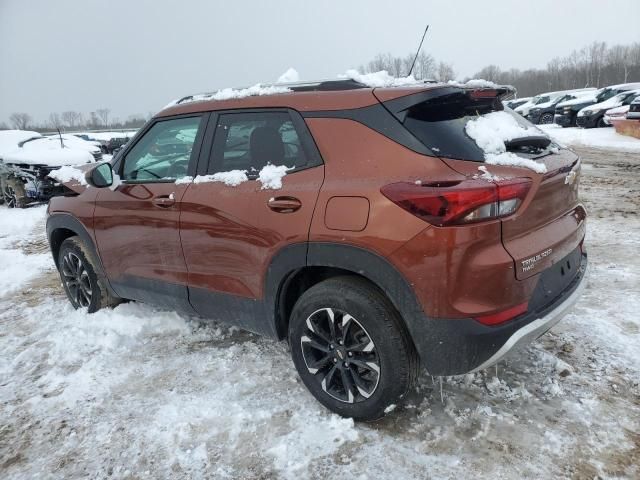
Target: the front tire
(546, 119)
(83, 286)
(350, 348)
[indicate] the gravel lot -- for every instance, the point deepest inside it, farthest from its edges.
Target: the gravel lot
(141, 393)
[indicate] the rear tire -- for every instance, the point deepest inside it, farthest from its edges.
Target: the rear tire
(351, 349)
(78, 272)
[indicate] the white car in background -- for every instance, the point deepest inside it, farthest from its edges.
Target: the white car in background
(26, 160)
(593, 115)
(544, 98)
(615, 113)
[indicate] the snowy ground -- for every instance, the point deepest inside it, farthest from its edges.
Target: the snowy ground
(142, 393)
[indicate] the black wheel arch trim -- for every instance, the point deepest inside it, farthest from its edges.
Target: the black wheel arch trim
(66, 221)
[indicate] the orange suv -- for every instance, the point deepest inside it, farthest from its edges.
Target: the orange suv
(365, 225)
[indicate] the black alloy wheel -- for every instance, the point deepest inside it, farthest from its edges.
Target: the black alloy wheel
(76, 279)
(341, 356)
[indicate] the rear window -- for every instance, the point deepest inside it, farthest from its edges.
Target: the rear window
(440, 123)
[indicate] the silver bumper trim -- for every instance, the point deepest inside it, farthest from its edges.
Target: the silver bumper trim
(536, 328)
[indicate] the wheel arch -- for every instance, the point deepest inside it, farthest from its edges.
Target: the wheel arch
(61, 226)
(296, 268)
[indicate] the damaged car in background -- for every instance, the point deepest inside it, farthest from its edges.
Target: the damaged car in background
(27, 159)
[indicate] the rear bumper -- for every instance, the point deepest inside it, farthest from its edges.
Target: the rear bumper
(458, 346)
(541, 325)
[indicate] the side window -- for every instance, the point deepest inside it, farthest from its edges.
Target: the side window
(249, 141)
(164, 152)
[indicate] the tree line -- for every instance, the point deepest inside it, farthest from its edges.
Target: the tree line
(72, 120)
(595, 65)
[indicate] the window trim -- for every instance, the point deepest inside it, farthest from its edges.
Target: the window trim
(307, 142)
(196, 150)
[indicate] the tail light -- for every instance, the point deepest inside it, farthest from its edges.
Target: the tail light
(456, 203)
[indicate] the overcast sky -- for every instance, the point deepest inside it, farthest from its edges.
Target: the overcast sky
(135, 56)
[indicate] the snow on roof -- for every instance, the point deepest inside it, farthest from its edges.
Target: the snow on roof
(490, 133)
(379, 79)
(231, 93)
(291, 75)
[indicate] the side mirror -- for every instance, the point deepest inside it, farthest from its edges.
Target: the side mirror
(100, 176)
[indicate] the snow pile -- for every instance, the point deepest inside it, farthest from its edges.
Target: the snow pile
(232, 93)
(66, 174)
(486, 175)
(474, 83)
(490, 133)
(311, 437)
(291, 75)
(271, 176)
(233, 178)
(18, 267)
(379, 79)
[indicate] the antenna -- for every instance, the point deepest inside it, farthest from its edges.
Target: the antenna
(418, 52)
(60, 135)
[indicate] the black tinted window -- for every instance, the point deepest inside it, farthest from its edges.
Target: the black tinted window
(249, 141)
(440, 124)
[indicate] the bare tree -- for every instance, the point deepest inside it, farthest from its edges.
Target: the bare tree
(445, 72)
(4, 126)
(20, 120)
(71, 118)
(103, 114)
(55, 121)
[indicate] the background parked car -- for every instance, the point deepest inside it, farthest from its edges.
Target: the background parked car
(615, 113)
(634, 110)
(542, 113)
(542, 99)
(516, 102)
(27, 158)
(567, 112)
(593, 115)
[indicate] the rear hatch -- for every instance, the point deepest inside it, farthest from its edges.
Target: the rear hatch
(550, 223)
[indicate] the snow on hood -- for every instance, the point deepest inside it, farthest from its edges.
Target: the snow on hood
(491, 131)
(51, 158)
(590, 97)
(69, 174)
(618, 110)
(9, 139)
(53, 143)
(612, 102)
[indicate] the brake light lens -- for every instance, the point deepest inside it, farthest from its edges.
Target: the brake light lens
(456, 203)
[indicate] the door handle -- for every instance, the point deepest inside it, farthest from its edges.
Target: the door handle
(164, 201)
(284, 204)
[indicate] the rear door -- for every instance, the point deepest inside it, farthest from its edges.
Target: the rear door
(136, 223)
(236, 217)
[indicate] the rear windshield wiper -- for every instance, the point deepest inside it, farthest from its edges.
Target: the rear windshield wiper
(535, 141)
